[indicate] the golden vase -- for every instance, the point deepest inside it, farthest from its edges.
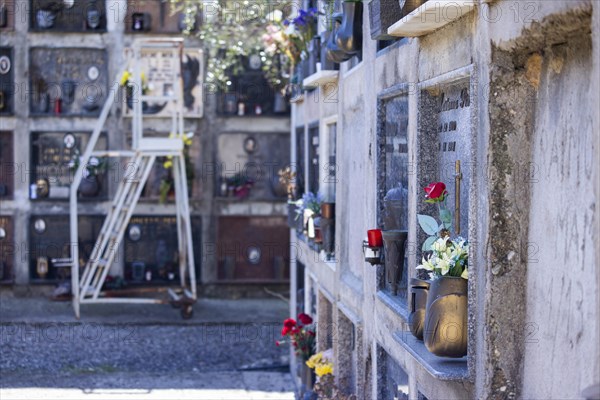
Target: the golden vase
(419, 290)
(445, 332)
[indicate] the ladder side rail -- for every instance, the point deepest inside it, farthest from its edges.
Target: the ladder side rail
(185, 216)
(97, 250)
(182, 259)
(184, 208)
(73, 228)
(115, 201)
(110, 246)
(137, 128)
(107, 230)
(178, 172)
(121, 230)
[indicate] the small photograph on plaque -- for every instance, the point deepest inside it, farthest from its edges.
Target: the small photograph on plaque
(49, 240)
(55, 156)
(67, 81)
(151, 249)
(68, 16)
(6, 81)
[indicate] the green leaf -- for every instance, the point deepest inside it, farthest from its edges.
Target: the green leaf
(445, 216)
(428, 224)
(428, 242)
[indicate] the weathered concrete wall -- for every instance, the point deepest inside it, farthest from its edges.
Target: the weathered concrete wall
(561, 259)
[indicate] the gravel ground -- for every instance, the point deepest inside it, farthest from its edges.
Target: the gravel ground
(234, 358)
(50, 347)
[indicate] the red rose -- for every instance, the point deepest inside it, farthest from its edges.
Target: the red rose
(435, 191)
(277, 343)
(295, 331)
(289, 323)
(285, 331)
(305, 319)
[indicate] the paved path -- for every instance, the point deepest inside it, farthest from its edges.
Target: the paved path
(226, 351)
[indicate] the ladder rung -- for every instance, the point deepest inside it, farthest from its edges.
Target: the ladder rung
(61, 262)
(113, 153)
(133, 180)
(160, 144)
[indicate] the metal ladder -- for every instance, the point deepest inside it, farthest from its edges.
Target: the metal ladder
(88, 287)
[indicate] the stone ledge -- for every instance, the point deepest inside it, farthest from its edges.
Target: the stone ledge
(444, 369)
(431, 16)
(393, 305)
(321, 78)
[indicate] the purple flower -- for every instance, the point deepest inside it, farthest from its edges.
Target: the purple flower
(299, 21)
(286, 22)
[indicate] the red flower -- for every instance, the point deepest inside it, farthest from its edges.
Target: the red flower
(289, 323)
(285, 331)
(305, 319)
(295, 331)
(436, 190)
(277, 343)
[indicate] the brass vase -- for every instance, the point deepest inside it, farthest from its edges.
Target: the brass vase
(445, 333)
(419, 289)
(349, 35)
(394, 242)
(334, 53)
(409, 6)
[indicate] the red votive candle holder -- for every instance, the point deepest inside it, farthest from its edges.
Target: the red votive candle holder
(57, 107)
(374, 237)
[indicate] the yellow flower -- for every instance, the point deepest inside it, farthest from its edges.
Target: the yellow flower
(314, 360)
(168, 164)
(143, 75)
(324, 369)
(125, 78)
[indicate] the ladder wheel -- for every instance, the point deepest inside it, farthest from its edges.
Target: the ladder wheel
(187, 311)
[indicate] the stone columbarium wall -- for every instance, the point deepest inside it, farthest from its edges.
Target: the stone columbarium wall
(511, 90)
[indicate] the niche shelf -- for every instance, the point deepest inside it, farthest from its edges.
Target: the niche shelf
(431, 16)
(320, 78)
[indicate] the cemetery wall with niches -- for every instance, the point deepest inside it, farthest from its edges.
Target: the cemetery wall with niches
(59, 61)
(482, 104)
